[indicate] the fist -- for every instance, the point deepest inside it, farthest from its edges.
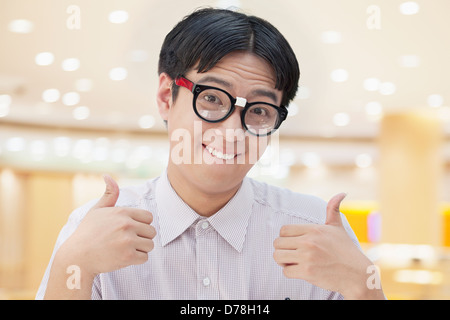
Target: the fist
(111, 238)
(323, 255)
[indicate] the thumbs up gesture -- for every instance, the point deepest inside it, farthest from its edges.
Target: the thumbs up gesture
(109, 237)
(325, 255)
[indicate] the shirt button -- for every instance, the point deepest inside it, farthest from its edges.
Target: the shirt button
(205, 225)
(206, 282)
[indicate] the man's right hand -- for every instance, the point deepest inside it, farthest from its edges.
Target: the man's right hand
(111, 238)
(107, 239)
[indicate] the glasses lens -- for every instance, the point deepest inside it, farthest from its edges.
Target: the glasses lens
(213, 104)
(261, 119)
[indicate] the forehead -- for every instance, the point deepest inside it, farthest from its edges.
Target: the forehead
(239, 71)
(245, 66)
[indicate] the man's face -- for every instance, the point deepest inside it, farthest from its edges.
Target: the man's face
(217, 156)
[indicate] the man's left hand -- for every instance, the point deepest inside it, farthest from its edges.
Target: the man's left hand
(325, 256)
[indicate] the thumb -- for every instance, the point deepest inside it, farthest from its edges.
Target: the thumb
(111, 194)
(333, 212)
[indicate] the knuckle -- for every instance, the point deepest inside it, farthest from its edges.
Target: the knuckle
(151, 246)
(128, 242)
(297, 242)
(284, 230)
(126, 225)
(310, 245)
(276, 243)
(148, 245)
(128, 256)
(120, 210)
(150, 217)
(276, 255)
(141, 258)
(152, 232)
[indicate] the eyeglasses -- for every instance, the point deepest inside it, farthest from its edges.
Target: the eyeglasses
(215, 105)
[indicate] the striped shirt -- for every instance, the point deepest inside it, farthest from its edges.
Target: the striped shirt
(226, 256)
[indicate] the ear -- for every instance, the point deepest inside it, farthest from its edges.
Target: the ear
(164, 95)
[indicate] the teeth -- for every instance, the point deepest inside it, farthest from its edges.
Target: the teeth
(219, 154)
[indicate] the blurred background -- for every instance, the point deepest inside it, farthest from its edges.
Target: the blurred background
(372, 118)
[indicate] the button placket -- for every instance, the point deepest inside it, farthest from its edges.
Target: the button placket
(207, 263)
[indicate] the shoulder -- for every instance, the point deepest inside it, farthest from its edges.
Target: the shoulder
(287, 202)
(295, 207)
(129, 196)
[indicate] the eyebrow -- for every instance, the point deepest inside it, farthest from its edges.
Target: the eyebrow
(256, 92)
(266, 93)
(216, 81)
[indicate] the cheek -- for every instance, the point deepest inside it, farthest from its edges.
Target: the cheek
(256, 147)
(181, 112)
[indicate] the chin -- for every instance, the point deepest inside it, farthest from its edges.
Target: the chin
(219, 178)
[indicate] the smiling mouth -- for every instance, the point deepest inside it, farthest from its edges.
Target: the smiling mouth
(219, 154)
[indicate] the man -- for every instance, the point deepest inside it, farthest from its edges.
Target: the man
(202, 230)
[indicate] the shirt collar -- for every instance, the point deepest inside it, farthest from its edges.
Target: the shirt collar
(175, 216)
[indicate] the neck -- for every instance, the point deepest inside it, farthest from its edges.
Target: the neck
(204, 201)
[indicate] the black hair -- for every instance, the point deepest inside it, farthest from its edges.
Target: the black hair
(204, 37)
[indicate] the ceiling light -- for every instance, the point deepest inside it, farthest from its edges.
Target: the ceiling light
(435, 101)
(227, 4)
(4, 110)
(363, 160)
(44, 58)
(5, 105)
(311, 160)
(292, 109)
(20, 26)
(101, 149)
(71, 98)
(374, 111)
(5, 99)
(138, 55)
(15, 144)
(410, 61)
(372, 84)
(331, 37)
(409, 8)
(444, 114)
(118, 74)
(38, 149)
(119, 155)
(138, 155)
(303, 93)
(51, 95)
(82, 149)
(147, 121)
(61, 146)
(339, 75)
(70, 64)
(81, 113)
(341, 119)
(374, 108)
(387, 88)
(118, 16)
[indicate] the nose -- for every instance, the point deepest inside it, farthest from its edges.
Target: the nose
(231, 128)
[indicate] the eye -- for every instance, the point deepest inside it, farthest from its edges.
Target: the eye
(260, 111)
(213, 99)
